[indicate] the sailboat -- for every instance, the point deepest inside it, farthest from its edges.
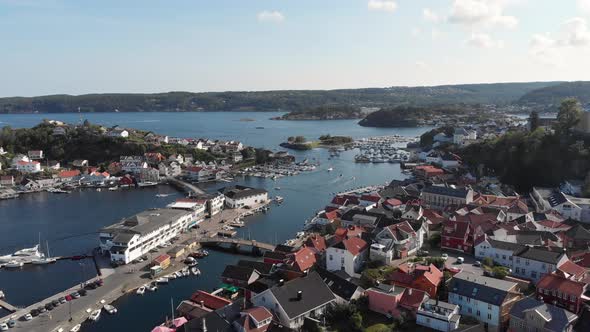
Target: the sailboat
(44, 260)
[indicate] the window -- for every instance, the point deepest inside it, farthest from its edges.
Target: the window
(468, 300)
(503, 256)
(331, 258)
(489, 316)
(489, 306)
(478, 313)
(469, 310)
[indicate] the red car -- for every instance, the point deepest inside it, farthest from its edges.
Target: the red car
(69, 298)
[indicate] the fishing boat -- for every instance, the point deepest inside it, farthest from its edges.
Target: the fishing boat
(76, 328)
(195, 271)
(95, 315)
(140, 290)
(14, 264)
(110, 309)
(162, 280)
(178, 274)
(44, 260)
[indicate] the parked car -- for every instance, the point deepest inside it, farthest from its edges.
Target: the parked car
(444, 256)
(423, 253)
(55, 303)
(33, 313)
(75, 295)
(460, 260)
(3, 327)
(49, 306)
(83, 292)
(69, 298)
(477, 263)
(28, 317)
(62, 300)
(11, 323)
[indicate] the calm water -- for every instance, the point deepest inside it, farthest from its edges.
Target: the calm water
(70, 222)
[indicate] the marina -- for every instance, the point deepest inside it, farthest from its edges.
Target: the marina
(383, 149)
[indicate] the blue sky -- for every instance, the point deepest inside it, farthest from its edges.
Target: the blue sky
(59, 46)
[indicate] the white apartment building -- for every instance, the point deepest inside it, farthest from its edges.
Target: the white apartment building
(28, 166)
(136, 236)
(438, 315)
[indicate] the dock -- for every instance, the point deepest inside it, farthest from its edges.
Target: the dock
(184, 185)
(8, 306)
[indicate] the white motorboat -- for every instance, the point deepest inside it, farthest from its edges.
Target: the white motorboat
(147, 184)
(140, 290)
(1, 295)
(152, 287)
(76, 328)
(25, 254)
(171, 276)
(162, 195)
(186, 272)
(110, 309)
(114, 188)
(95, 315)
(195, 271)
(178, 274)
(330, 169)
(162, 280)
(14, 264)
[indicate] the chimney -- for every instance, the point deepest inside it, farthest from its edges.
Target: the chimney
(281, 282)
(204, 328)
(202, 304)
(299, 295)
(409, 291)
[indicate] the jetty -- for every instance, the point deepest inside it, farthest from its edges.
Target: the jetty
(7, 306)
(182, 185)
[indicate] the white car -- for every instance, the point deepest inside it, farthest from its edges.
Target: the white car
(445, 256)
(460, 260)
(28, 317)
(3, 327)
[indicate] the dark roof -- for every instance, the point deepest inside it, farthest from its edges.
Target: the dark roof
(275, 255)
(213, 322)
(261, 267)
(556, 199)
(535, 237)
(285, 248)
(558, 318)
(541, 255)
(238, 192)
(315, 294)
(238, 272)
(338, 285)
(578, 232)
(484, 289)
(506, 245)
(447, 191)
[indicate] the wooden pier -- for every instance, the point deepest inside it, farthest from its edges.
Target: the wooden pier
(8, 306)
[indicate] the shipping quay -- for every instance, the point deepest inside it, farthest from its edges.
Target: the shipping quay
(165, 238)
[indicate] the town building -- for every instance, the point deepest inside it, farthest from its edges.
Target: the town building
(240, 196)
(501, 252)
(6, 181)
(568, 206)
(486, 299)
(137, 235)
(35, 154)
(349, 255)
(28, 166)
(255, 319)
(133, 164)
(530, 314)
(340, 284)
(118, 132)
(534, 263)
(562, 292)
(439, 197)
(293, 301)
(426, 278)
(149, 175)
(438, 315)
(196, 207)
(395, 241)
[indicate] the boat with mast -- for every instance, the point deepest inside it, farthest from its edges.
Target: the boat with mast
(44, 260)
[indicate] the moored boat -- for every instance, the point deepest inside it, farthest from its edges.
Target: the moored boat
(140, 290)
(110, 309)
(14, 264)
(95, 315)
(76, 328)
(162, 280)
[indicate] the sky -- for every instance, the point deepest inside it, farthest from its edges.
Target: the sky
(77, 47)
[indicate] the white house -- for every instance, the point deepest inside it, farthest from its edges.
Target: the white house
(348, 255)
(177, 158)
(118, 132)
(28, 166)
(486, 299)
(438, 315)
(395, 241)
(18, 158)
(133, 164)
(35, 154)
(240, 196)
(202, 173)
(534, 263)
(293, 301)
(2, 152)
(136, 236)
(568, 206)
(501, 252)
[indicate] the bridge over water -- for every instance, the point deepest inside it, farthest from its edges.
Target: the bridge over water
(184, 185)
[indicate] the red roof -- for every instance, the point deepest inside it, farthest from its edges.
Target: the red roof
(317, 242)
(393, 202)
(554, 224)
(349, 231)
(331, 215)
(194, 169)
(412, 298)
(303, 259)
(209, 300)
(69, 174)
(161, 258)
(258, 313)
(555, 282)
(572, 269)
(355, 245)
(374, 197)
(27, 162)
(339, 200)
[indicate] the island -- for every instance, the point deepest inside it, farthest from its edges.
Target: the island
(325, 141)
(324, 113)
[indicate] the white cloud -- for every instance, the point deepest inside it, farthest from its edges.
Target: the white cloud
(270, 16)
(483, 40)
(416, 32)
(573, 36)
(435, 33)
(575, 32)
(486, 12)
(430, 16)
(584, 6)
(421, 64)
(382, 5)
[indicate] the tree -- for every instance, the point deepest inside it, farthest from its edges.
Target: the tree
(499, 272)
(488, 261)
(299, 139)
(534, 121)
(570, 112)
